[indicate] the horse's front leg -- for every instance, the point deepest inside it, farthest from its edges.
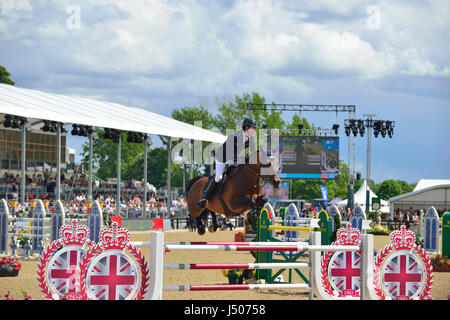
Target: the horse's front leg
(261, 201)
(215, 224)
(243, 203)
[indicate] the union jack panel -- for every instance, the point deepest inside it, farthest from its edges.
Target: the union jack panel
(402, 276)
(112, 276)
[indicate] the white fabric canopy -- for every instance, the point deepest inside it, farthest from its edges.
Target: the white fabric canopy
(428, 183)
(37, 106)
(360, 198)
(427, 193)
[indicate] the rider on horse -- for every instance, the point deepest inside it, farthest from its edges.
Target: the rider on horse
(239, 141)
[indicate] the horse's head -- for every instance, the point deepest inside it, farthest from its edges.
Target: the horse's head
(270, 165)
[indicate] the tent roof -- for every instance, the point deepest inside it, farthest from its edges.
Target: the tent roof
(427, 183)
(37, 106)
(441, 192)
(335, 200)
(436, 196)
(360, 195)
(360, 198)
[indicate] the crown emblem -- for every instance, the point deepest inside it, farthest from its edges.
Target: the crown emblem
(114, 237)
(74, 234)
(403, 239)
(348, 235)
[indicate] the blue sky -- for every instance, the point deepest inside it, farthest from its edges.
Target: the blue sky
(390, 58)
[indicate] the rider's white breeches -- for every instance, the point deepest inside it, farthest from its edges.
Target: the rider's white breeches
(220, 167)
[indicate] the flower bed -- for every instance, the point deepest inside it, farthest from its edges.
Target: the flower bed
(9, 267)
(238, 276)
(440, 264)
(378, 230)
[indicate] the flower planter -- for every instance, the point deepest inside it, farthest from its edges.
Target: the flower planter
(239, 237)
(441, 268)
(6, 273)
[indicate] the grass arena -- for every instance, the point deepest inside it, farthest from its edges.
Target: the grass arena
(26, 280)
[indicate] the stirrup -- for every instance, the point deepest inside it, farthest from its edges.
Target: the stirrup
(202, 203)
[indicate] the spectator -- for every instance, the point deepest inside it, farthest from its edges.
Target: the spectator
(51, 186)
(62, 177)
(407, 218)
(142, 184)
(46, 176)
(5, 178)
(228, 224)
(415, 222)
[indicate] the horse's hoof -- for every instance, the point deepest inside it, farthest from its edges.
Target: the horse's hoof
(212, 229)
(201, 230)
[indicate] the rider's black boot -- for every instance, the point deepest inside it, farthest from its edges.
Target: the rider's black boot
(207, 192)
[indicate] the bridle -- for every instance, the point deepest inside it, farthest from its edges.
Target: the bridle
(259, 176)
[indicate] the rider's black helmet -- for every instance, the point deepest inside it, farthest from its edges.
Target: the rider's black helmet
(249, 123)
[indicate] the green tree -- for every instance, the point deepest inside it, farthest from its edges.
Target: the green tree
(405, 186)
(388, 189)
(191, 115)
(306, 189)
(5, 76)
(105, 156)
(338, 187)
(297, 120)
(156, 167)
(232, 113)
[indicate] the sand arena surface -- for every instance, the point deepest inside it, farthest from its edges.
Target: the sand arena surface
(27, 276)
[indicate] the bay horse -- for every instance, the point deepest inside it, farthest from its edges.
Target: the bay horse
(240, 190)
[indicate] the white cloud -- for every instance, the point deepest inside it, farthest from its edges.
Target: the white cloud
(205, 48)
(413, 64)
(14, 8)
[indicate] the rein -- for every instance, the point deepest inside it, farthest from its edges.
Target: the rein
(258, 175)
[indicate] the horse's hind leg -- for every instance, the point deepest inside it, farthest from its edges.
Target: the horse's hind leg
(200, 226)
(215, 224)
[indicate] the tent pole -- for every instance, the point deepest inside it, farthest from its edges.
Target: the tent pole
(144, 202)
(119, 139)
(90, 167)
(169, 173)
(23, 157)
(58, 161)
(191, 162)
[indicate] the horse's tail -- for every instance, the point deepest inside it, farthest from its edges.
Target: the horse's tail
(191, 182)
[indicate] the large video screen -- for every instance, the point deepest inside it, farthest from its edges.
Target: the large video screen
(309, 157)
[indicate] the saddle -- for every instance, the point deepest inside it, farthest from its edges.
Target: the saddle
(228, 173)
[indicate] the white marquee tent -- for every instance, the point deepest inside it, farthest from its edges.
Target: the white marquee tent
(37, 106)
(427, 193)
(360, 198)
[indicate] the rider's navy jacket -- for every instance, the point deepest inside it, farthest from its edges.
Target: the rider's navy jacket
(232, 150)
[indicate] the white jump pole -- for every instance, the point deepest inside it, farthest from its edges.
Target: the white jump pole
(158, 247)
(156, 266)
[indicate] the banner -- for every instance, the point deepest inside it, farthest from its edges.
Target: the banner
(324, 192)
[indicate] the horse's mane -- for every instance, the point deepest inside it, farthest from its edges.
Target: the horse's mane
(193, 180)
